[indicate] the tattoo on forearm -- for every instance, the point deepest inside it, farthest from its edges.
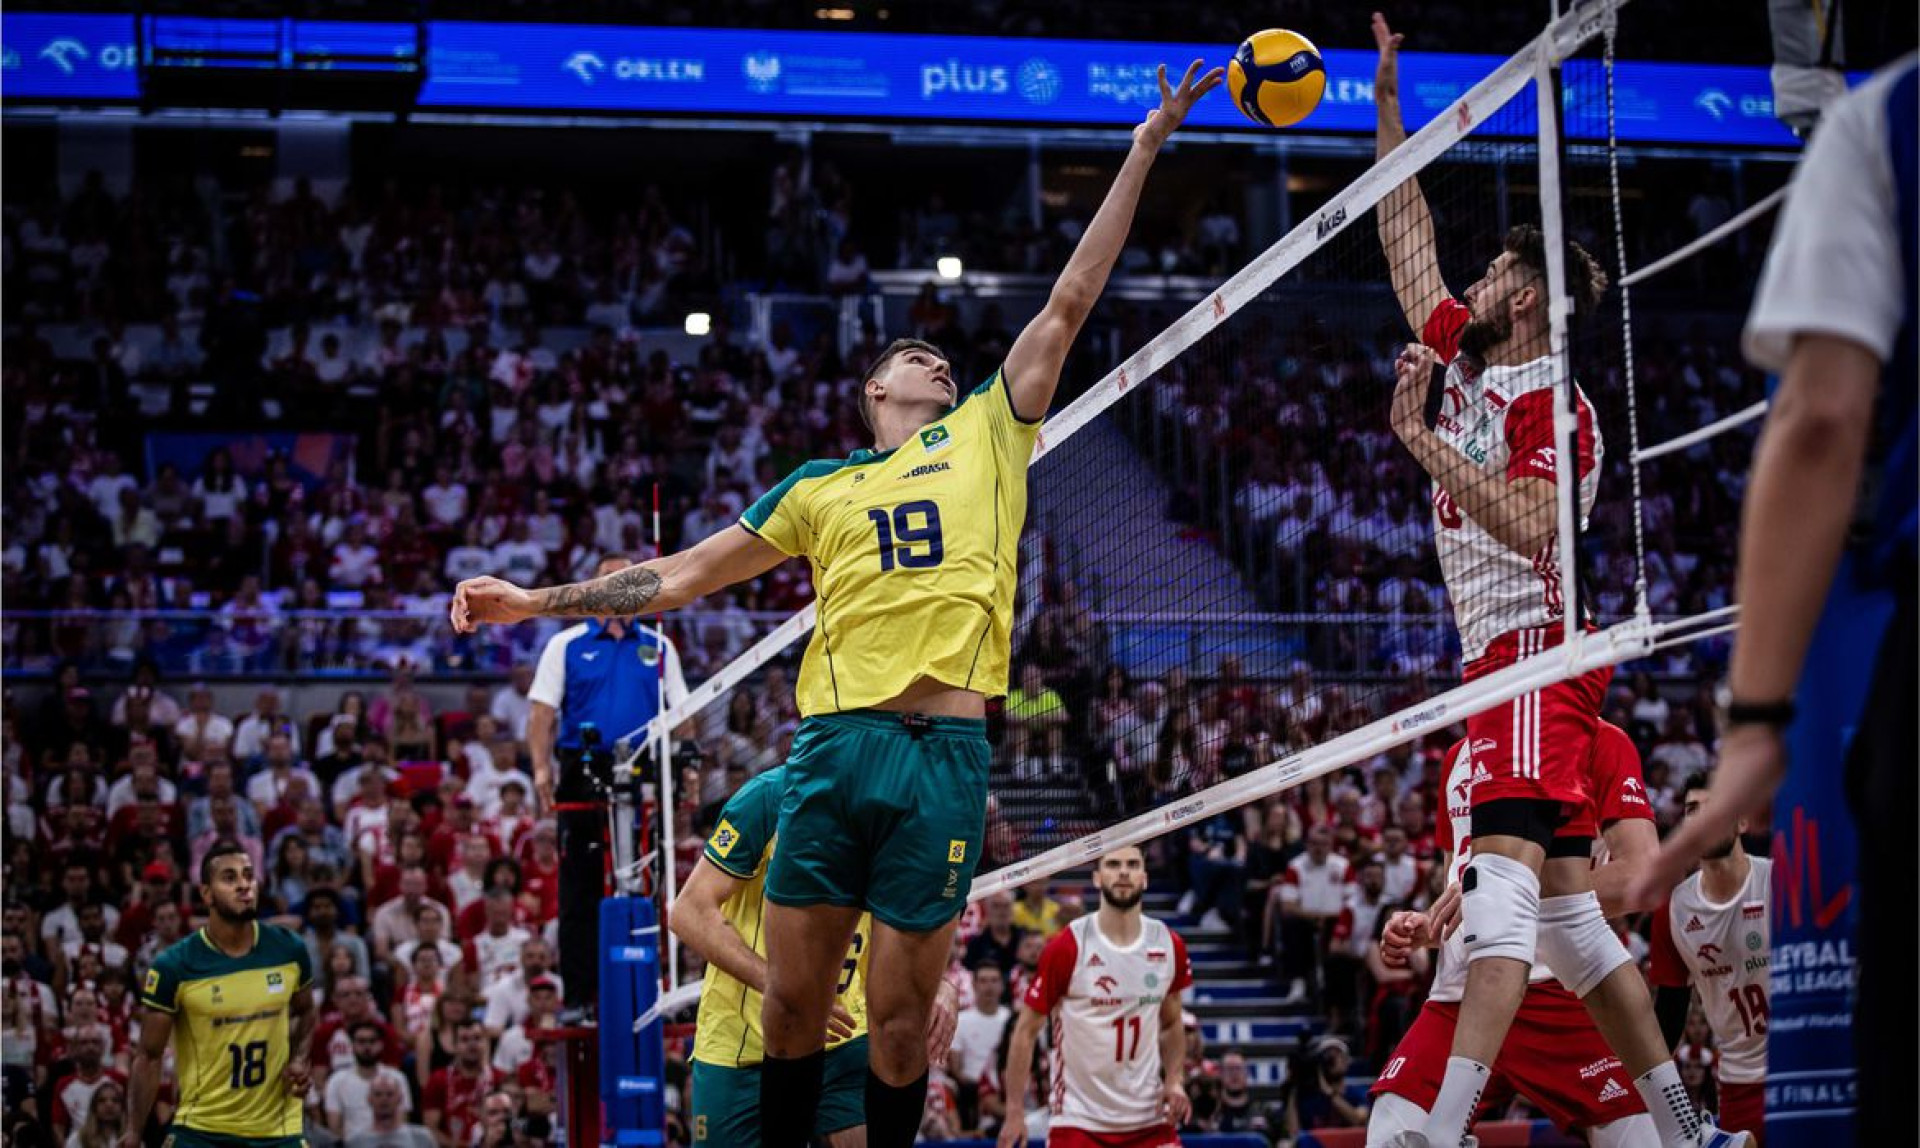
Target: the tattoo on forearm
(621, 594)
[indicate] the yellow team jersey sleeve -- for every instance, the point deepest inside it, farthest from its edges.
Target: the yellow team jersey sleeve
(727, 1032)
(913, 553)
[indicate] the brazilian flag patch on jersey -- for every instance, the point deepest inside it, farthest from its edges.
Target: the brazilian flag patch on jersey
(724, 839)
(935, 437)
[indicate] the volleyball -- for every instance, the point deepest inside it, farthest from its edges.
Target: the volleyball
(1276, 77)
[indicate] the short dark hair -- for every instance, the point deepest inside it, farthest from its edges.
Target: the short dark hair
(501, 865)
(1699, 779)
(894, 350)
(1586, 281)
(360, 1026)
(222, 848)
(323, 893)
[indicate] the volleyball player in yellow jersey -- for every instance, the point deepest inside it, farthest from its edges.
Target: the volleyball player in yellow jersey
(913, 546)
(235, 998)
(721, 914)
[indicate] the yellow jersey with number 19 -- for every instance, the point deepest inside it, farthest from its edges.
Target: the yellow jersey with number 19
(913, 552)
(230, 1030)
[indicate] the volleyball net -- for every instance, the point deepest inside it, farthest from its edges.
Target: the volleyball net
(1231, 577)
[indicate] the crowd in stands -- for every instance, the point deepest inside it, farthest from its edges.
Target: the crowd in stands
(426, 895)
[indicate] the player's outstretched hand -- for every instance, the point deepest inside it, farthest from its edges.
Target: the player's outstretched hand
(298, 1075)
(1179, 1108)
(1753, 762)
(1013, 1130)
(1386, 75)
(1175, 103)
(942, 1021)
(1412, 372)
(480, 600)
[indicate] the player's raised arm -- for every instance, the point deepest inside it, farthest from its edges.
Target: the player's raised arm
(729, 556)
(1406, 226)
(1034, 362)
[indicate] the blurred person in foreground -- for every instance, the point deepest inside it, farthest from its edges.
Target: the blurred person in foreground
(1823, 671)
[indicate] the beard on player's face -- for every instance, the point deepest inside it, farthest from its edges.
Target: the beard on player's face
(1486, 331)
(235, 914)
(1123, 899)
(1722, 850)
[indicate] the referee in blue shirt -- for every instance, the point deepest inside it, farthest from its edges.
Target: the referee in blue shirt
(616, 675)
(1824, 669)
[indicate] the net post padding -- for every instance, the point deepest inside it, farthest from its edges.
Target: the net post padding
(1587, 652)
(1420, 149)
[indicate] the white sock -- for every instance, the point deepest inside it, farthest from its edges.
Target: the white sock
(1460, 1089)
(1667, 1101)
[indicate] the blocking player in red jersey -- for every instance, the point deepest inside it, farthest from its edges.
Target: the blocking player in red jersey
(1553, 1053)
(1715, 935)
(1111, 984)
(1495, 464)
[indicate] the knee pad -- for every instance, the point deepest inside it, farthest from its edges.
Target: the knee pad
(1577, 944)
(1391, 1115)
(1499, 908)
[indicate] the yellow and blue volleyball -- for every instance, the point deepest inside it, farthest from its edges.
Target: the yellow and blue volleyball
(1277, 77)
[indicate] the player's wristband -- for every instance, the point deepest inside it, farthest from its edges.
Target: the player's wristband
(1777, 714)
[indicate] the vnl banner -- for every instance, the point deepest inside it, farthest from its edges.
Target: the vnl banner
(587, 68)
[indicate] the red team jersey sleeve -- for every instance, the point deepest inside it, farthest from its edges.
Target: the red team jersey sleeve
(1529, 433)
(1055, 975)
(1619, 789)
(1442, 332)
(1182, 965)
(1666, 970)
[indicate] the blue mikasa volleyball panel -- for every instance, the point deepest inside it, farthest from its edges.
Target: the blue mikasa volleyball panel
(562, 68)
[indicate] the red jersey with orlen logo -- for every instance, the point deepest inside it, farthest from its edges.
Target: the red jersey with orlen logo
(1501, 419)
(1104, 1000)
